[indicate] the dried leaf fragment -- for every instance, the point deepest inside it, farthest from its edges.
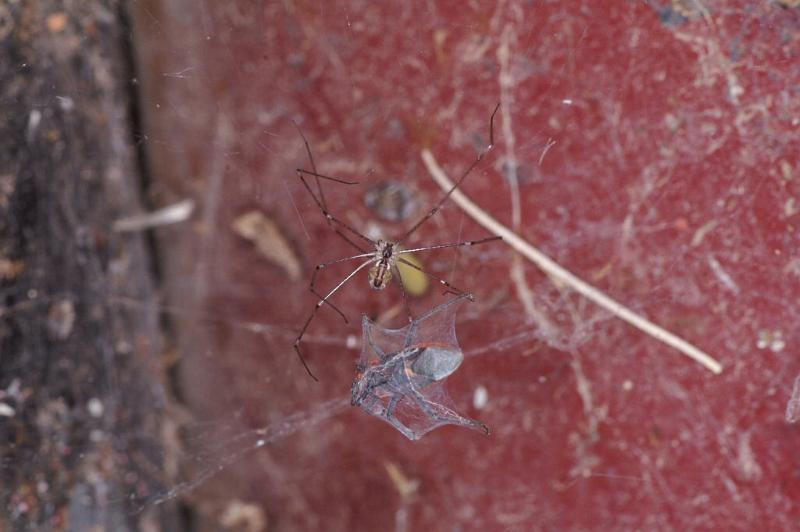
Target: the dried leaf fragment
(269, 241)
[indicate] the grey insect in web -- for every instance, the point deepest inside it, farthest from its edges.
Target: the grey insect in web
(382, 255)
(401, 372)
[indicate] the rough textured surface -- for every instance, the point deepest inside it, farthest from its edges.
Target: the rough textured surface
(80, 388)
(654, 148)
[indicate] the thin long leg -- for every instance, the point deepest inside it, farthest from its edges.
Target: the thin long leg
(334, 307)
(323, 176)
(399, 276)
(314, 313)
(321, 200)
(313, 165)
(319, 267)
(453, 245)
(480, 157)
(331, 218)
(450, 288)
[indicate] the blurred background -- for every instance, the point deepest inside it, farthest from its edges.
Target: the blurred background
(157, 247)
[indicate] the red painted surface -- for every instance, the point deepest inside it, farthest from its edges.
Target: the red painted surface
(671, 184)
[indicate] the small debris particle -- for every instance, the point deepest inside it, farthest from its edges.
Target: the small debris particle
(6, 410)
(57, 22)
(61, 319)
(405, 486)
(787, 171)
(480, 398)
(793, 406)
(351, 342)
(171, 214)
(749, 467)
(790, 207)
(269, 241)
(95, 407)
(702, 231)
(10, 269)
(724, 278)
(686, 8)
(627, 385)
(34, 119)
(65, 103)
(772, 340)
(245, 516)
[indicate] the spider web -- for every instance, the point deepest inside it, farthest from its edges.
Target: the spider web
(401, 372)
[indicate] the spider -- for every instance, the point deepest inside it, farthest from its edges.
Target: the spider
(385, 254)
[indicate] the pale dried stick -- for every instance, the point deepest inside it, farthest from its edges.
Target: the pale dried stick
(560, 274)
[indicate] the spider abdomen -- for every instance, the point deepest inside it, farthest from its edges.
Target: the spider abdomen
(380, 275)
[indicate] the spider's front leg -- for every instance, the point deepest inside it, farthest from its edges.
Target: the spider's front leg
(319, 303)
(318, 268)
(449, 288)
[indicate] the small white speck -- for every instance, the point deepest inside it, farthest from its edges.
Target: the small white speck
(793, 406)
(723, 276)
(260, 443)
(771, 339)
(171, 214)
(34, 119)
(480, 398)
(6, 411)
(567, 101)
(95, 407)
(627, 385)
(66, 103)
(351, 342)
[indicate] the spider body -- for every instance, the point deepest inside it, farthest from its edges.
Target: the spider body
(381, 273)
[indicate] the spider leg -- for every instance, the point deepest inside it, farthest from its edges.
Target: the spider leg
(331, 219)
(321, 200)
(399, 277)
(313, 166)
(449, 287)
(480, 157)
(452, 245)
(328, 177)
(319, 267)
(314, 313)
